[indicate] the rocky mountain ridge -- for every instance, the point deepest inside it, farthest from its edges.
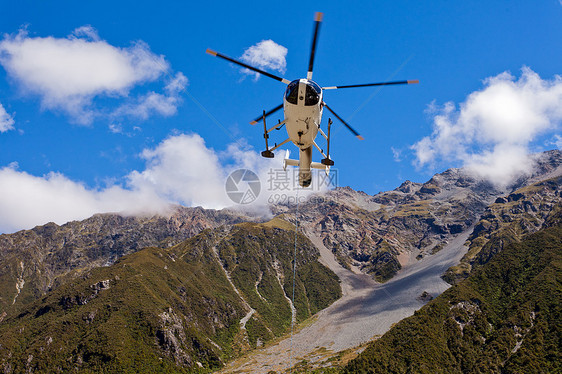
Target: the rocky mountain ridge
(508, 220)
(382, 233)
(376, 234)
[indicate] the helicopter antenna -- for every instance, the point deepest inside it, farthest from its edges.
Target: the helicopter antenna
(317, 22)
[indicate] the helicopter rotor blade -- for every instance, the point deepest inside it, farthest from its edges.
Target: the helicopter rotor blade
(213, 53)
(317, 21)
(372, 84)
(260, 118)
(345, 123)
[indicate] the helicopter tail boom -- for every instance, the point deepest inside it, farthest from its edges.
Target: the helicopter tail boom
(305, 164)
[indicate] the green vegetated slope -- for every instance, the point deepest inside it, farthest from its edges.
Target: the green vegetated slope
(171, 310)
(32, 262)
(505, 317)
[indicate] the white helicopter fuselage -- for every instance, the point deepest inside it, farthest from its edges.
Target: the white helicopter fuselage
(302, 106)
(302, 120)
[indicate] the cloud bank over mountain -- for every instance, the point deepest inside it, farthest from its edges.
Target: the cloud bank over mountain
(492, 131)
(182, 169)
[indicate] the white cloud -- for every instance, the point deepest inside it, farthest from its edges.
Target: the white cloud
(176, 85)
(501, 165)
(180, 170)
(266, 55)
(86, 31)
(68, 73)
(148, 104)
(183, 170)
(557, 141)
(153, 102)
(6, 120)
(115, 128)
(396, 154)
(27, 200)
(493, 128)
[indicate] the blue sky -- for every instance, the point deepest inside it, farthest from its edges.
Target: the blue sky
(115, 106)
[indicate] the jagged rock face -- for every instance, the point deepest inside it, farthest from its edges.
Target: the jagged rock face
(170, 310)
(547, 165)
(381, 233)
(43, 256)
(508, 220)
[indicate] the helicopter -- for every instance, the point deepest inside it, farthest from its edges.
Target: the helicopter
(303, 104)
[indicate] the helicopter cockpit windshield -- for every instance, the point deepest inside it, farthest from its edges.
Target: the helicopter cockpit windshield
(292, 92)
(312, 93)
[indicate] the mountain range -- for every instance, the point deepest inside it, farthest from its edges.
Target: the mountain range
(193, 290)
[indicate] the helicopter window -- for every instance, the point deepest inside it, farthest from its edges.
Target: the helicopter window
(292, 92)
(312, 94)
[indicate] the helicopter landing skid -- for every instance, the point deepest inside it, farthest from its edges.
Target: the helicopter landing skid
(327, 160)
(268, 153)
